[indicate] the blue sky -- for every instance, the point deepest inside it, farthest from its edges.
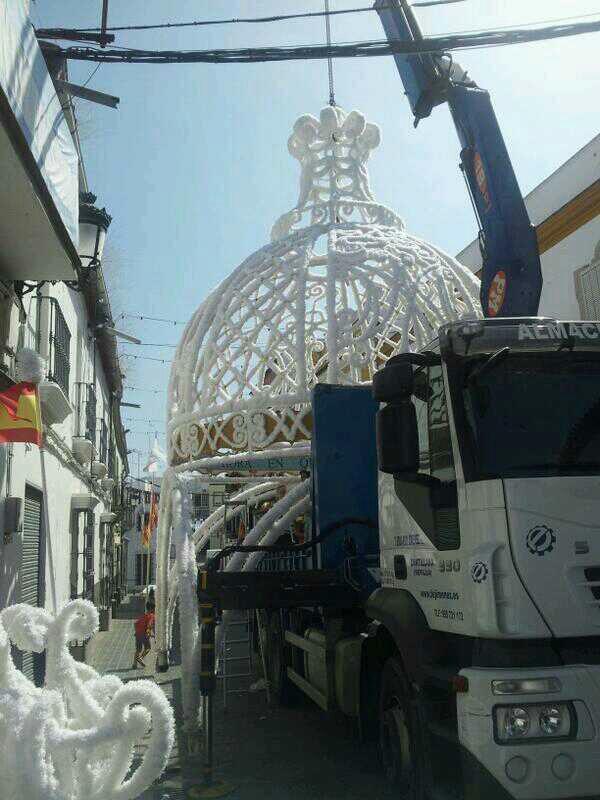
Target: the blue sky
(194, 168)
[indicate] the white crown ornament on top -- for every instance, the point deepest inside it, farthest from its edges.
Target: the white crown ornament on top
(341, 287)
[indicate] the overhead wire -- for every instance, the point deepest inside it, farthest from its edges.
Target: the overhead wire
(146, 358)
(128, 315)
(362, 49)
(232, 20)
(143, 389)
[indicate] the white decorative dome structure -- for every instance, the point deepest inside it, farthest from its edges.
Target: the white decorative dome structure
(340, 288)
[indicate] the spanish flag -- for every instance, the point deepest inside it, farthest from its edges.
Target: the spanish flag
(20, 418)
(152, 520)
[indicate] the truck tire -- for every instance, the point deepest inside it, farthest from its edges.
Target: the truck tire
(400, 734)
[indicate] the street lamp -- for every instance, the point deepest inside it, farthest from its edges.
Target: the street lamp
(93, 224)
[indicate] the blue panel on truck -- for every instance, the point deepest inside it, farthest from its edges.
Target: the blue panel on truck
(345, 480)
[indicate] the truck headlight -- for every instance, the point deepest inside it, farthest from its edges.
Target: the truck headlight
(555, 720)
(516, 722)
(534, 721)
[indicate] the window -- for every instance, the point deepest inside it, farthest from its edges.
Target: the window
(511, 438)
(103, 441)
(90, 413)
(587, 288)
(111, 460)
(432, 499)
(60, 348)
(200, 505)
(88, 558)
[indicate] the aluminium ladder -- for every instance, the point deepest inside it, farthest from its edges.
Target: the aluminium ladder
(236, 654)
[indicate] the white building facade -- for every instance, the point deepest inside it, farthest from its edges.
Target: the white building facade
(60, 504)
(565, 210)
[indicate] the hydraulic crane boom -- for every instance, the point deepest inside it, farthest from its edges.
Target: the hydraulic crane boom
(511, 280)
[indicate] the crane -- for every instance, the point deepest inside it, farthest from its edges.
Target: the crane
(511, 278)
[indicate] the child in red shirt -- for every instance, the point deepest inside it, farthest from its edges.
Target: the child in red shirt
(144, 629)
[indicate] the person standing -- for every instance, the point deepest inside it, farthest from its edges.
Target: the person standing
(144, 629)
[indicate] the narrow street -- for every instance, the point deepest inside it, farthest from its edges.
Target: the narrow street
(266, 753)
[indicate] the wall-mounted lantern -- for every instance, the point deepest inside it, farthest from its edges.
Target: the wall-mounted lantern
(93, 224)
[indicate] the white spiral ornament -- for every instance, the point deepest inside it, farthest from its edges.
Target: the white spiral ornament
(74, 738)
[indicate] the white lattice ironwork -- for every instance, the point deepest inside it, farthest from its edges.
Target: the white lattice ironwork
(341, 287)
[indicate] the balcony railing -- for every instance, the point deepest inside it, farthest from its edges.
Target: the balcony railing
(104, 442)
(60, 348)
(111, 461)
(86, 412)
(88, 558)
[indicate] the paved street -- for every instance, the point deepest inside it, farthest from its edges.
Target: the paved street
(266, 753)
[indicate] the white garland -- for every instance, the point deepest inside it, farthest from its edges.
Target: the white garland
(74, 738)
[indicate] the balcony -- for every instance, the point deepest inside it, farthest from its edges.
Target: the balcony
(54, 392)
(84, 440)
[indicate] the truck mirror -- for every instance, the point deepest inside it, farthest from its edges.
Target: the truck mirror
(398, 439)
(394, 382)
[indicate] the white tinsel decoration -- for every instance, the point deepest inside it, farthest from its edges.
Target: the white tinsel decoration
(30, 366)
(75, 738)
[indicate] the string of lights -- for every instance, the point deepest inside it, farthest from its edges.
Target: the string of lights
(140, 389)
(435, 44)
(155, 344)
(145, 358)
(128, 315)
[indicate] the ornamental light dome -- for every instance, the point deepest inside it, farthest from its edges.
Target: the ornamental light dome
(340, 288)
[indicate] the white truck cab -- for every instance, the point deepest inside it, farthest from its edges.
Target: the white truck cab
(488, 617)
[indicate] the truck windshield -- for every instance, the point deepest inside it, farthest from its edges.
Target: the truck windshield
(534, 415)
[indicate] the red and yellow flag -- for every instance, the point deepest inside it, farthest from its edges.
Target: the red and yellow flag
(152, 520)
(20, 418)
(241, 531)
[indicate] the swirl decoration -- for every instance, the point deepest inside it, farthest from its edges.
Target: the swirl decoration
(75, 737)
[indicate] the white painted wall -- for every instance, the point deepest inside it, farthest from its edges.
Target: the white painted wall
(49, 469)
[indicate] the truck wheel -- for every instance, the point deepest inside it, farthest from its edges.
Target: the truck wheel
(399, 734)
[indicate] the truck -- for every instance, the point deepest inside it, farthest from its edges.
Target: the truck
(448, 594)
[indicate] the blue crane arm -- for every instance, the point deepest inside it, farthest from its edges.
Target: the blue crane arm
(511, 279)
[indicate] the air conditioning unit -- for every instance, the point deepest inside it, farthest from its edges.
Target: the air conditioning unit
(98, 469)
(107, 484)
(54, 402)
(82, 449)
(84, 502)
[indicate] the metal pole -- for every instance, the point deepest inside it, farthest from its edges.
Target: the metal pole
(207, 682)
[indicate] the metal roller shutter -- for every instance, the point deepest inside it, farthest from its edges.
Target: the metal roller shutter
(32, 664)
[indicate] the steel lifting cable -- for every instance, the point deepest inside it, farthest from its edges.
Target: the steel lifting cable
(329, 59)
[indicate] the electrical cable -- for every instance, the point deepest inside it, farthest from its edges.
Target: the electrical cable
(153, 344)
(140, 389)
(126, 314)
(145, 358)
(363, 49)
(231, 21)
(92, 73)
